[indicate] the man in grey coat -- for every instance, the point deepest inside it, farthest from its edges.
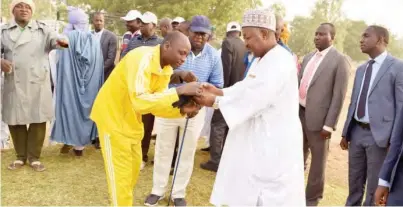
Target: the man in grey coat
(323, 84)
(27, 95)
(376, 104)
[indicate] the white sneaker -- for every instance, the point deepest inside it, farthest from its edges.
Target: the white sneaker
(143, 164)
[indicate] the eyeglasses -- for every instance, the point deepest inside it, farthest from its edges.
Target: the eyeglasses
(201, 34)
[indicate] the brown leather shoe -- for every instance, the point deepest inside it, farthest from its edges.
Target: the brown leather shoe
(66, 149)
(78, 153)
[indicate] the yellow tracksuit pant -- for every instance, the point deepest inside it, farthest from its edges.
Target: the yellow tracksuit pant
(122, 158)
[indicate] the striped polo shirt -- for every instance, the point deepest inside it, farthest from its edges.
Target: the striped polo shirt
(207, 66)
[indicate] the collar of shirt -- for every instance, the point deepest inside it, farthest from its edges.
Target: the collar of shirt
(201, 53)
(380, 58)
(136, 33)
(13, 23)
(156, 69)
(99, 33)
(325, 51)
(153, 37)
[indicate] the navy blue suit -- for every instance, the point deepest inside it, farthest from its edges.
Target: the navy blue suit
(392, 169)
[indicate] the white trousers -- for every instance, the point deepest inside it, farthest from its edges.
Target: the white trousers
(164, 149)
(205, 133)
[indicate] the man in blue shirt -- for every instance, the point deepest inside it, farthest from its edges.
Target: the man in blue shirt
(205, 62)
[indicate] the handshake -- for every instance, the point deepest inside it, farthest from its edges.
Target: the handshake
(194, 95)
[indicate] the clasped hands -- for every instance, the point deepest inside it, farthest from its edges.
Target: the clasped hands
(195, 95)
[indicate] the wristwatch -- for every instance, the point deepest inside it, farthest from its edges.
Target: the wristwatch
(216, 102)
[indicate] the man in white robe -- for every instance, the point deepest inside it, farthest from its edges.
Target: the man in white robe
(262, 160)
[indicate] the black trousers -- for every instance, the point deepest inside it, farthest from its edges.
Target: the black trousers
(148, 123)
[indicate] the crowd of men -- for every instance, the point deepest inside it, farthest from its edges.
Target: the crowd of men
(263, 112)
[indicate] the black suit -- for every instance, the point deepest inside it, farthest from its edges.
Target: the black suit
(109, 44)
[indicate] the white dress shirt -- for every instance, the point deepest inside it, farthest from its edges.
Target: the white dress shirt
(98, 35)
(324, 52)
(375, 68)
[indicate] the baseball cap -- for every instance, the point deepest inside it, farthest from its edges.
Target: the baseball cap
(131, 15)
(178, 20)
(200, 23)
(149, 17)
(233, 26)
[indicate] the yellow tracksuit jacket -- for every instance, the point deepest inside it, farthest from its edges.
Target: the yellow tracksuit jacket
(138, 85)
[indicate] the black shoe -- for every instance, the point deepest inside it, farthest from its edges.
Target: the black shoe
(152, 200)
(179, 202)
(78, 153)
(209, 166)
(96, 143)
(207, 149)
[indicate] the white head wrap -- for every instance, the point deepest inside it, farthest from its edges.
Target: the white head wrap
(259, 18)
(29, 2)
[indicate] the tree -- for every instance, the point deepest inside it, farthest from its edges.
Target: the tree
(352, 40)
(279, 9)
(303, 28)
(395, 46)
(214, 9)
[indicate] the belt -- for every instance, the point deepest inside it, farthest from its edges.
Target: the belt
(363, 125)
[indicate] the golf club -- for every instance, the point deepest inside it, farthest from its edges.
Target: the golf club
(178, 159)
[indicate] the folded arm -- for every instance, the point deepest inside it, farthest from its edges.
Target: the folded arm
(244, 100)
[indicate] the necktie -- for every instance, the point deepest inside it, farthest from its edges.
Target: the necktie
(364, 91)
(303, 89)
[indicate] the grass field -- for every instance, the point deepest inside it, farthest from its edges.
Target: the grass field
(77, 181)
(72, 181)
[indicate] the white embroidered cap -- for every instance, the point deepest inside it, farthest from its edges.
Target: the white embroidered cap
(260, 18)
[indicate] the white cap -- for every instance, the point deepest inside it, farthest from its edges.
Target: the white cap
(131, 15)
(233, 26)
(178, 19)
(259, 18)
(149, 17)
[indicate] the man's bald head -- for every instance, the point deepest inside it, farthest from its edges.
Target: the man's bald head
(279, 27)
(165, 26)
(174, 49)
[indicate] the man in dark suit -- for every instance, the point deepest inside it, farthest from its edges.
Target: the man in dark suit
(232, 53)
(109, 43)
(390, 185)
(322, 88)
(374, 111)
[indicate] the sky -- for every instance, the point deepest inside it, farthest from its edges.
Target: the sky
(385, 12)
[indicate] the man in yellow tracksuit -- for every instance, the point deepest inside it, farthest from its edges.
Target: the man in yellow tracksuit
(138, 85)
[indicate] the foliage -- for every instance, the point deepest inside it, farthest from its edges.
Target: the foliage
(214, 9)
(303, 28)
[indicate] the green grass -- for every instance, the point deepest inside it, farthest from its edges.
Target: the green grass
(80, 181)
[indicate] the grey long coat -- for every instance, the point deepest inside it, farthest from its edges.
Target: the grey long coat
(27, 96)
